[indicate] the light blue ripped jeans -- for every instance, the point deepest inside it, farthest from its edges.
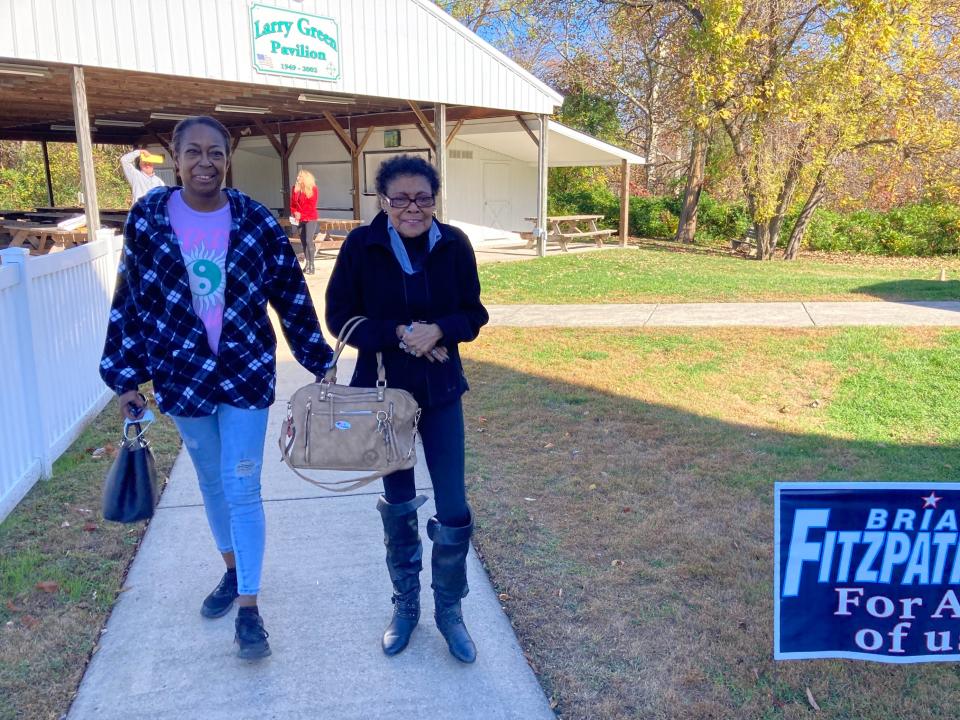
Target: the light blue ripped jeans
(227, 452)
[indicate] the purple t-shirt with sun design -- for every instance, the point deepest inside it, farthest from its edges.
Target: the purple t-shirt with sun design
(204, 238)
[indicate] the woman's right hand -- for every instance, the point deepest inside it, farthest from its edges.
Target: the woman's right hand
(132, 405)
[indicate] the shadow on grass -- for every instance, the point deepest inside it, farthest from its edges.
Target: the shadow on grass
(669, 246)
(914, 291)
(632, 545)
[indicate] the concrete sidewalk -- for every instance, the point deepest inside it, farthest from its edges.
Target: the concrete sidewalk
(326, 592)
(761, 314)
(325, 602)
(795, 314)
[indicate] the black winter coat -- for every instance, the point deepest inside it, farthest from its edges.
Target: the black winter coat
(367, 280)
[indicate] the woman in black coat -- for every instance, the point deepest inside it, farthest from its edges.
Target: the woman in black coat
(415, 280)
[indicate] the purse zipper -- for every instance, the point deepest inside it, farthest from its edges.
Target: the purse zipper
(306, 435)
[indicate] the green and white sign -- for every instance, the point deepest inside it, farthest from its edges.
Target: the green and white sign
(286, 42)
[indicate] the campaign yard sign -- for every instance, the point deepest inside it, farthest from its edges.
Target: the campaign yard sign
(867, 571)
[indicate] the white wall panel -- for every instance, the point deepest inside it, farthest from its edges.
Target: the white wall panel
(258, 174)
(87, 33)
(161, 47)
(233, 22)
(405, 49)
(210, 49)
(68, 45)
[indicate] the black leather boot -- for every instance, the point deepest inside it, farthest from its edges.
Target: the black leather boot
(404, 562)
(449, 564)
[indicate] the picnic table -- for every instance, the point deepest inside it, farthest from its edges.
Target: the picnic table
(41, 237)
(47, 216)
(570, 228)
(72, 209)
(331, 232)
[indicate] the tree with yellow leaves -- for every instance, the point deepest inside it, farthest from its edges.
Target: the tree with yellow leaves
(797, 84)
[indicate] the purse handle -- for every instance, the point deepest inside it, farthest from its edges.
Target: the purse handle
(345, 332)
(330, 378)
(333, 485)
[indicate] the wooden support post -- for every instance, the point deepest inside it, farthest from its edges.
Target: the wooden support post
(356, 156)
(233, 148)
(523, 124)
(453, 133)
(424, 125)
(46, 172)
(542, 181)
(355, 170)
(284, 174)
(625, 204)
(341, 133)
(364, 140)
(268, 133)
(279, 143)
(426, 136)
(292, 144)
(440, 132)
(88, 180)
(159, 139)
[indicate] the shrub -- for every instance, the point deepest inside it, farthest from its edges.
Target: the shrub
(652, 217)
(720, 221)
(921, 229)
(590, 200)
(931, 228)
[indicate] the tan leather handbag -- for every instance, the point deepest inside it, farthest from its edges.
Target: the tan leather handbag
(337, 427)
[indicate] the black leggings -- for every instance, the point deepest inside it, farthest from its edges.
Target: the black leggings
(441, 429)
(308, 232)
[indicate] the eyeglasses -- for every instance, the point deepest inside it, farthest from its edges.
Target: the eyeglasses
(422, 201)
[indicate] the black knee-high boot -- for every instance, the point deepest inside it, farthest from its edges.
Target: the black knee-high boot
(404, 562)
(449, 565)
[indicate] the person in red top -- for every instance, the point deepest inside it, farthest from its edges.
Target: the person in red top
(303, 208)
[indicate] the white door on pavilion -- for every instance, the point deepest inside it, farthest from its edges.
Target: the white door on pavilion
(497, 209)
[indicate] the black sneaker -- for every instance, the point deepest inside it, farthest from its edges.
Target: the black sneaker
(251, 635)
(219, 602)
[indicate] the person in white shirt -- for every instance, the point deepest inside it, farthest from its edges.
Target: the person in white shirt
(139, 173)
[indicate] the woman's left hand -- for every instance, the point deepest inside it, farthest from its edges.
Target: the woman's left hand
(421, 338)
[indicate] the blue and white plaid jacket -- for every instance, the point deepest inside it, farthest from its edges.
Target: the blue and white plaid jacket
(154, 333)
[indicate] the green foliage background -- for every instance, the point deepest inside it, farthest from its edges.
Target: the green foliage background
(919, 229)
(22, 183)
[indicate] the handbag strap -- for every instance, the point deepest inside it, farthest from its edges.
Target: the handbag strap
(334, 485)
(345, 332)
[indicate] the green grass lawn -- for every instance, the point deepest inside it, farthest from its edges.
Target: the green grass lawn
(664, 274)
(623, 487)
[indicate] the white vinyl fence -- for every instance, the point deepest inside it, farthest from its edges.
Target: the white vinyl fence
(53, 319)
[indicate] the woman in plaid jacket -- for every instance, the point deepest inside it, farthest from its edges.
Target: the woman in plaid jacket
(199, 266)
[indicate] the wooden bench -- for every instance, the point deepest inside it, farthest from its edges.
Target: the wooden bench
(331, 232)
(563, 229)
(747, 243)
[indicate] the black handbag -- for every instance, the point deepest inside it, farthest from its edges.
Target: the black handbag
(130, 490)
